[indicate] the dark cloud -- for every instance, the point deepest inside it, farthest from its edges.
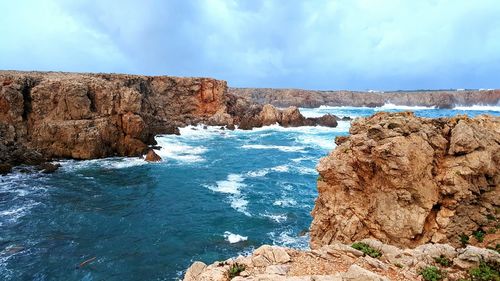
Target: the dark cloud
(360, 44)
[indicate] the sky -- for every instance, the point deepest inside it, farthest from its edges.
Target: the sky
(314, 44)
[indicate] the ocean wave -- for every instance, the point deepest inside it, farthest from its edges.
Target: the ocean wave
(478, 107)
(279, 218)
(106, 163)
(172, 147)
(306, 170)
(285, 202)
(234, 238)
(390, 106)
(287, 239)
(277, 147)
(17, 212)
(232, 186)
(281, 168)
(323, 142)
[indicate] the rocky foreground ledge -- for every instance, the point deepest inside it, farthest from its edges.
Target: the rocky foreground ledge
(50, 115)
(400, 198)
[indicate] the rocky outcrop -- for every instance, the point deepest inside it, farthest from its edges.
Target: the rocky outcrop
(408, 181)
(84, 116)
(151, 156)
(46, 115)
(342, 262)
(310, 98)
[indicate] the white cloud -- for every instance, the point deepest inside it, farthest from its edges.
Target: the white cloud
(354, 44)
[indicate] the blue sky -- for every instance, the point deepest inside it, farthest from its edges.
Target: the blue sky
(315, 44)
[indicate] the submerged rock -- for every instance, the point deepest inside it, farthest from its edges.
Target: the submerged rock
(151, 156)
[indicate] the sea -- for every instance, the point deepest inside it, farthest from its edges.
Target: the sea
(217, 194)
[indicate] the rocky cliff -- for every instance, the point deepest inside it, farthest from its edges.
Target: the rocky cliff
(309, 98)
(407, 181)
(83, 116)
(45, 115)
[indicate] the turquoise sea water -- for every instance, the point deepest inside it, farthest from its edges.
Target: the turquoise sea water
(217, 194)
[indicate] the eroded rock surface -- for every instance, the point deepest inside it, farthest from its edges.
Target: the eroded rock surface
(408, 181)
(84, 116)
(311, 98)
(341, 262)
(47, 115)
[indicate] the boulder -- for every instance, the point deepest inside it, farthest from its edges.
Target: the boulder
(48, 168)
(5, 168)
(151, 156)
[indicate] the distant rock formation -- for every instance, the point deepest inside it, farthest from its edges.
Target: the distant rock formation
(310, 98)
(407, 181)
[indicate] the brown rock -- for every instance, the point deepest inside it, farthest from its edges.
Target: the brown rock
(5, 168)
(151, 156)
(85, 116)
(394, 179)
(48, 168)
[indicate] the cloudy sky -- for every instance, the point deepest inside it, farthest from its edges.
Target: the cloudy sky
(315, 44)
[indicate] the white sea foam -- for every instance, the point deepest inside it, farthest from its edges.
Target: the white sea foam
(172, 147)
(258, 173)
(106, 163)
(278, 147)
(234, 238)
(14, 214)
(280, 168)
(390, 106)
(287, 239)
(285, 202)
(279, 218)
(306, 170)
(478, 107)
(232, 186)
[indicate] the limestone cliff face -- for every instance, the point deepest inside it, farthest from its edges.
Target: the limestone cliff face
(45, 115)
(83, 116)
(310, 98)
(407, 181)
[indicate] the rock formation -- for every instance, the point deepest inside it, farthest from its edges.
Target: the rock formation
(310, 98)
(341, 262)
(84, 116)
(407, 181)
(151, 156)
(46, 115)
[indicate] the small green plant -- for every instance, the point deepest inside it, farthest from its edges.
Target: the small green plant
(235, 269)
(399, 265)
(479, 234)
(366, 249)
(491, 217)
(320, 178)
(443, 261)
(485, 272)
(432, 273)
(464, 239)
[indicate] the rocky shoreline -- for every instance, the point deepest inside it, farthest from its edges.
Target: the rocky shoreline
(311, 98)
(57, 115)
(400, 198)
